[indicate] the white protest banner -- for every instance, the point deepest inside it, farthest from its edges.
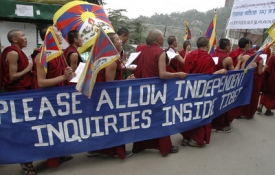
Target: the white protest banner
(252, 14)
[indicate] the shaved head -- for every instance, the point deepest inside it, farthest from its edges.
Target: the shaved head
(153, 35)
(12, 34)
(202, 42)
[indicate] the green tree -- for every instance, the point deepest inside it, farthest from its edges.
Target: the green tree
(135, 27)
(117, 19)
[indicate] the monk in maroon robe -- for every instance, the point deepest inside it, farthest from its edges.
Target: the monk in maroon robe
(17, 75)
(152, 63)
(173, 65)
(58, 74)
(236, 55)
(221, 123)
(268, 88)
(199, 61)
(71, 54)
(183, 53)
(243, 49)
(249, 110)
(111, 73)
(16, 72)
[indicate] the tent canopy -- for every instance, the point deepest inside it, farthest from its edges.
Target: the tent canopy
(36, 11)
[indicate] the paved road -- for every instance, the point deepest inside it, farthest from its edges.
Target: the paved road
(248, 150)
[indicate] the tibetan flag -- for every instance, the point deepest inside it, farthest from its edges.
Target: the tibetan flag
(255, 55)
(211, 34)
(187, 32)
(271, 31)
(103, 53)
(50, 49)
(84, 17)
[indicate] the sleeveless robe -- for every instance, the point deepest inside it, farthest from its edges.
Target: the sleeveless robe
(117, 150)
(148, 67)
(221, 121)
(199, 61)
(22, 83)
(268, 88)
(250, 109)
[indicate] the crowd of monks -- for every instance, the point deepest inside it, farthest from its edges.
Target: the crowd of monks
(18, 74)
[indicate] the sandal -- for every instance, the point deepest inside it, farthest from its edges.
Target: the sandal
(65, 158)
(28, 168)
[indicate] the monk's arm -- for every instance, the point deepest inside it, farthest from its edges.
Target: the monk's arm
(228, 63)
(221, 71)
(179, 58)
(73, 61)
(261, 67)
(238, 66)
(41, 75)
(110, 72)
(163, 74)
(12, 59)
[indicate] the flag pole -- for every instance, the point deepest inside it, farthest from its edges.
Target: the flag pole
(65, 59)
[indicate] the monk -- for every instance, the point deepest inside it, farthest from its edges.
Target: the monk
(58, 74)
(141, 48)
(221, 123)
(71, 54)
(152, 63)
(199, 61)
(268, 88)
(16, 72)
(124, 35)
(249, 110)
(244, 45)
(183, 53)
(111, 73)
(237, 54)
(42, 32)
(173, 65)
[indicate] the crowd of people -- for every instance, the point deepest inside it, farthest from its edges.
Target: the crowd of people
(19, 74)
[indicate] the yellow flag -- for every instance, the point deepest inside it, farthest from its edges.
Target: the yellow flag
(271, 31)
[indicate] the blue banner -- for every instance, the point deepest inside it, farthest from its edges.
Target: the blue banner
(51, 122)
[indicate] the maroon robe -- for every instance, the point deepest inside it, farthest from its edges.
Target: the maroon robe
(233, 113)
(174, 63)
(117, 150)
(34, 69)
(101, 74)
(141, 47)
(199, 61)
(180, 65)
(250, 109)
(268, 88)
(22, 83)
(148, 67)
(56, 68)
(68, 51)
(221, 121)
(235, 53)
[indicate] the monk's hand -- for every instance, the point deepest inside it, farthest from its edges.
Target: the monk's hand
(221, 71)
(29, 67)
(188, 48)
(182, 75)
(68, 73)
(240, 58)
(131, 77)
(254, 64)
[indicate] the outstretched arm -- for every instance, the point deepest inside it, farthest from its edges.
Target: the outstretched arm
(163, 74)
